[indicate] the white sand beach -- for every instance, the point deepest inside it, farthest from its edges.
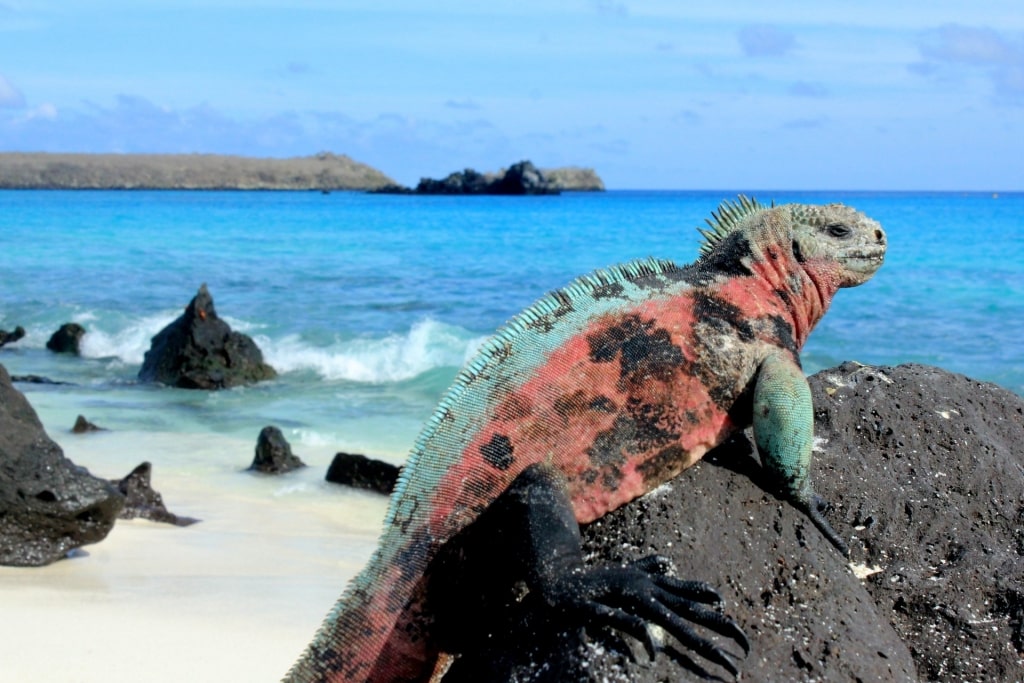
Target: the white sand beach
(235, 597)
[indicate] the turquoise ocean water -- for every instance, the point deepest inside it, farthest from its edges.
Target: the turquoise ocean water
(368, 304)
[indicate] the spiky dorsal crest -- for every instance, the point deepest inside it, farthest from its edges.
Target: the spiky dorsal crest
(726, 219)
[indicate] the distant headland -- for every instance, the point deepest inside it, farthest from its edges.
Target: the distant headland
(324, 171)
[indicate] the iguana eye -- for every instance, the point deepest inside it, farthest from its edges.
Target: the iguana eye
(838, 230)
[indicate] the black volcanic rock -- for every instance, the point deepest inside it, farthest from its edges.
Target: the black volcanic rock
(12, 336)
(141, 501)
(355, 470)
(200, 351)
(924, 470)
(37, 379)
(83, 426)
(460, 182)
(67, 339)
(48, 505)
(522, 178)
(274, 453)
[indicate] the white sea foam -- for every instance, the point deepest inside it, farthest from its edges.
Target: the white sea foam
(396, 357)
(128, 344)
(84, 317)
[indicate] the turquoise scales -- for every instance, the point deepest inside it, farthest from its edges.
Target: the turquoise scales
(594, 395)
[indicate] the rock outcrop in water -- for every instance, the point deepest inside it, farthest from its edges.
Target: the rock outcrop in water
(12, 336)
(274, 453)
(48, 505)
(358, 471)
(200, 351)
(925, 470)
(67, 339)
(522, 178)
(83, 426)
(142, 502)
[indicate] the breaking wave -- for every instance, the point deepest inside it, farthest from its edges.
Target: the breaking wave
(427, 345)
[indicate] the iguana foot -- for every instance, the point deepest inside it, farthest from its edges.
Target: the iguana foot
(527, 564)
(629, 597)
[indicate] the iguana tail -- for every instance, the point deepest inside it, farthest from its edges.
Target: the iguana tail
(377, 631)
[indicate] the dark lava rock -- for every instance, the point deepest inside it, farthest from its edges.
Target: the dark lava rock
(13, 336)
(200, 351)
(523, 178)
(142, 501)
(924, 470)
(83, 426)
(67, 339)
(36, 379)
(519, 179)
(460, 182)
(361, 472)
(48, 505)
(926, 467)
(274, 453)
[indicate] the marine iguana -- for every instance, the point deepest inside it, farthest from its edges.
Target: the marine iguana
(594, 395)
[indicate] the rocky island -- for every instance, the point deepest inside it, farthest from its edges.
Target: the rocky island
(324, 171)
(522, 178)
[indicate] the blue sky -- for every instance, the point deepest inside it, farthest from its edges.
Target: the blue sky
(734, 94)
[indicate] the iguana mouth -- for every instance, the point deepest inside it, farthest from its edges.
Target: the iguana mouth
(864, 260)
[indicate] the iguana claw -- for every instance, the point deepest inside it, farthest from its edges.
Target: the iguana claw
(815, 507)
(629, 597)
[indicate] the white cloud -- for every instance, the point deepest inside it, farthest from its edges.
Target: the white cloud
(10, 96)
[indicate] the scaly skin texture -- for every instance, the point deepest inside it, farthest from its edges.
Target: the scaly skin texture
(613, 386)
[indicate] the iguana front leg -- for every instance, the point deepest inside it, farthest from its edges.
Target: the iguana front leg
(624, 597)
(784, 432)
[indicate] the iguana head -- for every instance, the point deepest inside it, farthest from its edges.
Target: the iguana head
(837, 240)
(834, 243)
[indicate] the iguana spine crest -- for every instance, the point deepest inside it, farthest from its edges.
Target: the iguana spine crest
(728, 218)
